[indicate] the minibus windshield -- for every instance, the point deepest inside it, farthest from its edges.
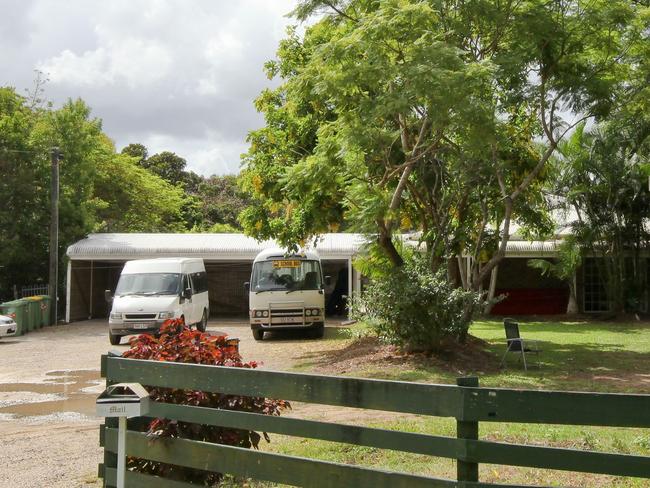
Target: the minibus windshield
(149, 284)
(286, 274)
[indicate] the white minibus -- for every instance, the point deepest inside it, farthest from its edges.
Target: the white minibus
(286, 292)
(151, 291)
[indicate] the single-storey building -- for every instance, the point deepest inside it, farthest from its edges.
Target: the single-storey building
(95, 264)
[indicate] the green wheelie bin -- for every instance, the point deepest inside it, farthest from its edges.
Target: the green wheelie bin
(45, 310)
(17, 310)
(34, 304)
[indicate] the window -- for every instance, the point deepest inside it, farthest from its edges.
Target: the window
(286, 274)
(199, 282)
(186, 282)
(595, 293)
(148, 284)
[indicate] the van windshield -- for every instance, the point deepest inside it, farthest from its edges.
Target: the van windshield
(149, 284)
(286, 274)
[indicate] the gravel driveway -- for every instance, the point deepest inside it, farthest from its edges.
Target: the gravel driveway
(48, 383)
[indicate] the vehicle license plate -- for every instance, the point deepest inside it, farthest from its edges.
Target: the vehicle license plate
(140, 326)
(287, 320)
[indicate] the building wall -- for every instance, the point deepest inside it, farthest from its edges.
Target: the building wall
(88, 281)
(226, 287)
(514, 273)
(527, 291)
(79, 290)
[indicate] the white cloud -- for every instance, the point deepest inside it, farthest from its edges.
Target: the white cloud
(180, 75)
(225, 47)
(85, 69)
(212, 155)
(111, 65)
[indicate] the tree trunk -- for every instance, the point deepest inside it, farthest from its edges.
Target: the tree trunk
(491, 290)
(572, 306)
(453, 273)
(386, 243)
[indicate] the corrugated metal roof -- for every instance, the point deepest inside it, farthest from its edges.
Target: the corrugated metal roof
(517, 248)
(206, 246)
(239, 247)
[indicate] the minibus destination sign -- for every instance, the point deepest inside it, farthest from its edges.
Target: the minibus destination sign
(286, 263)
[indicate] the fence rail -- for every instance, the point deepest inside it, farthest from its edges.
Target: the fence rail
(32, 290)
(469, 405)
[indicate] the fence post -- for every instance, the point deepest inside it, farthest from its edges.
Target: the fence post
(466, 471)
(110, 458)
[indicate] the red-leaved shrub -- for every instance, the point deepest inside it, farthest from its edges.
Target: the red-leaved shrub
(179, 343)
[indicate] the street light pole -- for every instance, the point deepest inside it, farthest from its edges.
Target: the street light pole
(54, 235)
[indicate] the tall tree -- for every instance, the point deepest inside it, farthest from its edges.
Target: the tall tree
(130, 199)
(168, 165)
(136, 150)
(220, 201)
(602, 179)
(437, 116)
(79, 137)
(27, 132)
(99, 189)
(24, 185)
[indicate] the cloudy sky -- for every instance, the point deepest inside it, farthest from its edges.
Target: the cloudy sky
(176, 75)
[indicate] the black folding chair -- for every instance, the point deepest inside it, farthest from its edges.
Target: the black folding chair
(517, 344)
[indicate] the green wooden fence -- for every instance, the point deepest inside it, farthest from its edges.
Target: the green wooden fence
(466, 402)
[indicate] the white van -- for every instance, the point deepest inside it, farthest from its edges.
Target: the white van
(151, 291)
(286, 292)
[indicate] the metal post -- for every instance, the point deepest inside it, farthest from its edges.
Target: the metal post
(90, 305)
(54, 235)
(349, 300)
(467, 471)
(121, 452)
(68, 289)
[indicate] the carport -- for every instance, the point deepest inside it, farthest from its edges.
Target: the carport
(95, 264)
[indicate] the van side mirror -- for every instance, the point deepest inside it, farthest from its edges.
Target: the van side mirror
(187, 293)
(328, 280)
(108, 296)
(247, 286)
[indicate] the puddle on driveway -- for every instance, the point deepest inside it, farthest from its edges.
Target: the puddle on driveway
(69, 392)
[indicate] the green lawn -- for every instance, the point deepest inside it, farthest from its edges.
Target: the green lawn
(582, 356)
(586, 356)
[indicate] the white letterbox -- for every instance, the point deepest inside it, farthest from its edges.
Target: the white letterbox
(123, 400)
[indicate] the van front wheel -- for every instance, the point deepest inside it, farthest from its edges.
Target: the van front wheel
(114, 339)
(203, 324)
(258, 334)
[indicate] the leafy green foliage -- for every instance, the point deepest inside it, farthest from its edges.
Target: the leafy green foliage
(207, 201)
(27, 133)
(601, 173)
(416, 309)
(167, 165)
(564, 267)
(130, 199)
(24, 184)
(136, 150)
(99, 189)
(220, 202)
(178, 343)
(430, 116)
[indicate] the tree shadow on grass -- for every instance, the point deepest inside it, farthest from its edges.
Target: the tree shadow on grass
(367, 356)
(581, 366)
